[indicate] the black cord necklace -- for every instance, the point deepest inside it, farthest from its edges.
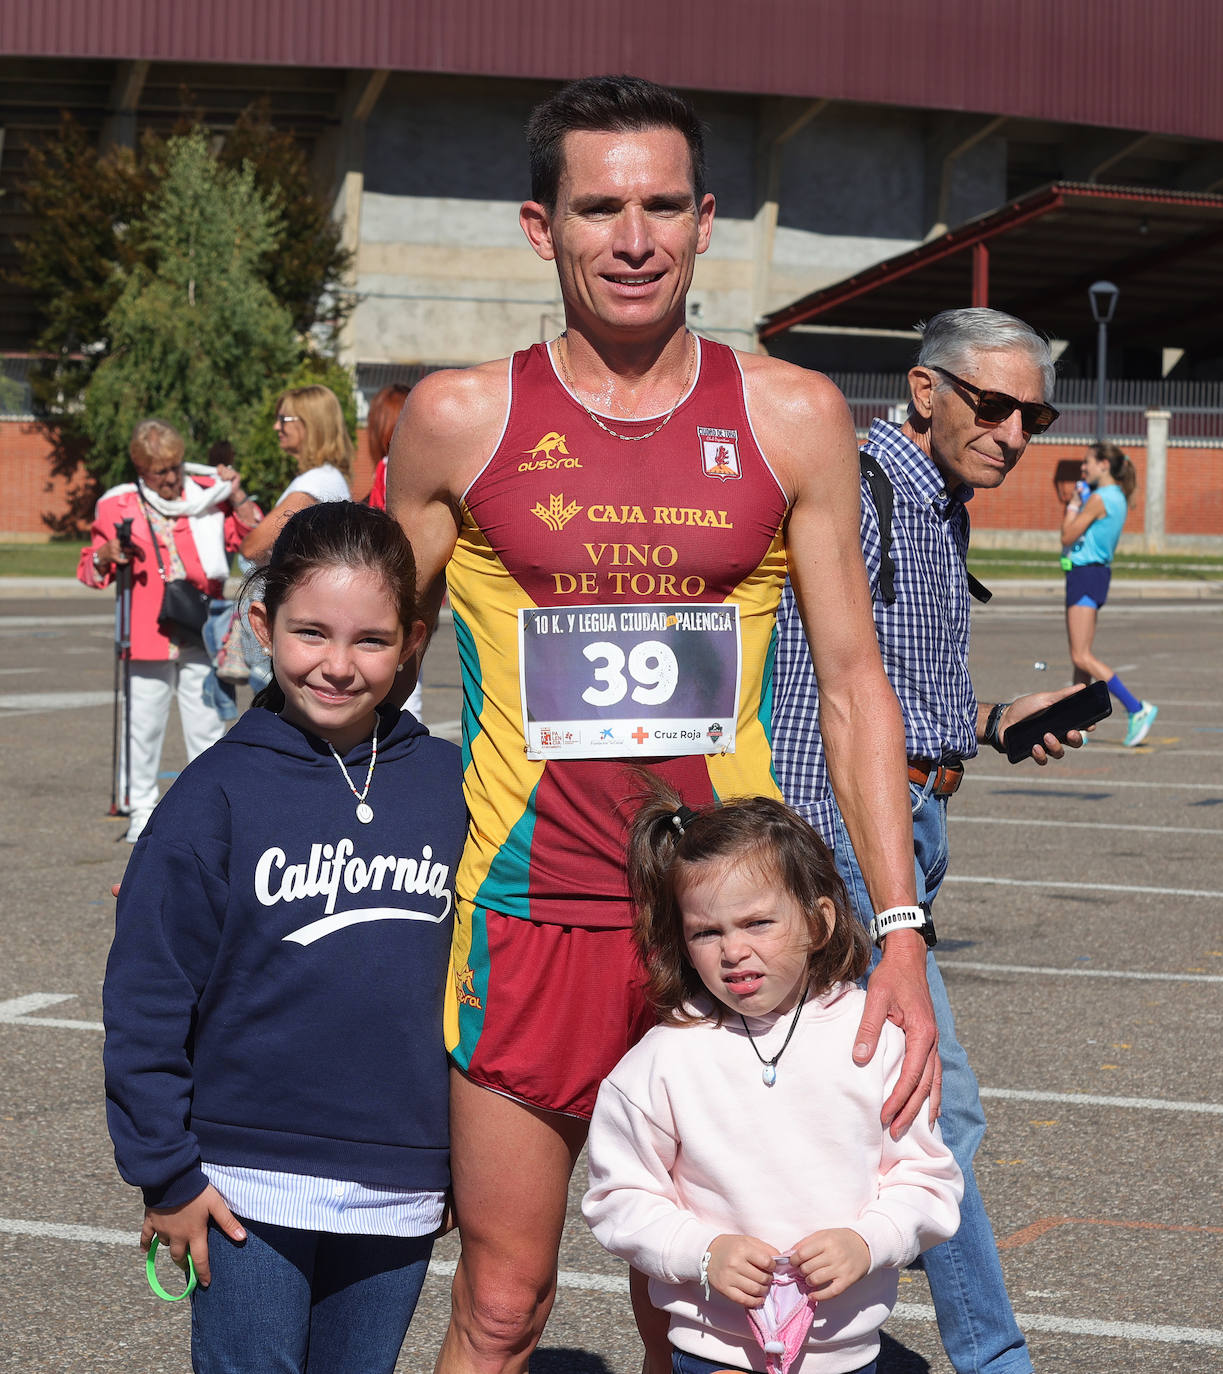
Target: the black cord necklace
(769, 1073)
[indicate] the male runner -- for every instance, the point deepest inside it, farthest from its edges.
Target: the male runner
(614, 513)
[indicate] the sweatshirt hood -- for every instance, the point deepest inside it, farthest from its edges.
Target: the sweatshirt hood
(399, 733)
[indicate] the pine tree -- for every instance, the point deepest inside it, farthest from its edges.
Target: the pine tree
(89, 239)
(195, 333)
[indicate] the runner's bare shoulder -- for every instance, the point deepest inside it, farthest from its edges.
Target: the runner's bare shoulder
(796, 412)
(450, 425)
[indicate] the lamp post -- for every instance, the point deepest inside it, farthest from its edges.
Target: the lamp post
(1103, 297)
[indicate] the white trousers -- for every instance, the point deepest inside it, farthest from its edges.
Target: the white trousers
(153, 685)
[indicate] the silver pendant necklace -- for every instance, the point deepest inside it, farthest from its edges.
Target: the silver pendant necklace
(769, 1073)
(626, 438)
(365, 812)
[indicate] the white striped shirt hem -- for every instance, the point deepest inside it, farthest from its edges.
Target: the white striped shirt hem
(308, 1203)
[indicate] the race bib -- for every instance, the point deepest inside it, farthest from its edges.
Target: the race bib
(629, 681)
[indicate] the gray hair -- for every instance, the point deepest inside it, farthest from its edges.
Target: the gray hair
(952, 339)
(153, 438)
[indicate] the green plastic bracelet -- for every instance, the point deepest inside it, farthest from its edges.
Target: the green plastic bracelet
(155, 1282)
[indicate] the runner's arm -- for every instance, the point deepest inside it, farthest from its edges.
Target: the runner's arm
(860, 721)
(449, 428)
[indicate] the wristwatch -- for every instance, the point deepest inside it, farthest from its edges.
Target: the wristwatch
(903, 918)
(990, 734)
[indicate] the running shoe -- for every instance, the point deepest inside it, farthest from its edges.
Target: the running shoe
(1141, 721)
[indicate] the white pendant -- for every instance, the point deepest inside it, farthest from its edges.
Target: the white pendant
(769, 1075)
(365, 813)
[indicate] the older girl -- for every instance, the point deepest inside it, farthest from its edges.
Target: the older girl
(275, 1072)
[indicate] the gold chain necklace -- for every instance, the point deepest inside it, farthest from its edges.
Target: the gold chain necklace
(627, 438)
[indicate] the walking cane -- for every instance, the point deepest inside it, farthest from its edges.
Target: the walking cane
(123, 666)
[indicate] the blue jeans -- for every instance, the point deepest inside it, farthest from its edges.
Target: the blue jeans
(974, 1314)
(683, 1363)
(287, 1301)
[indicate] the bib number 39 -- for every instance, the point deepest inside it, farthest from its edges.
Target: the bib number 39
(629, 681)
(651, 665)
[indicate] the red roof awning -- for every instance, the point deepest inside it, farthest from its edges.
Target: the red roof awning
(1036, 257)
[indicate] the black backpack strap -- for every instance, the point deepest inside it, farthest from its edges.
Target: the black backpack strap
(979, 590)
(880, 487)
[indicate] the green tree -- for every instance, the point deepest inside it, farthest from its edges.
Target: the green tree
(196, 331)
(89, 235)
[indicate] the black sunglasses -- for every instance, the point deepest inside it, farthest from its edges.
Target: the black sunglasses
(992, 407)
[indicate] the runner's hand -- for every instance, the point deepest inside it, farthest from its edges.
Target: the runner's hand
(897, 991)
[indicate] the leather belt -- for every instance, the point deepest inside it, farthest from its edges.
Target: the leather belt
(947, 777)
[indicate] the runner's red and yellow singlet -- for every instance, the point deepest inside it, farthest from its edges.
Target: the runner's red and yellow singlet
(564, 515)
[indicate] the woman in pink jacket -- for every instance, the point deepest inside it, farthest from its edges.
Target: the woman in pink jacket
(198, 518)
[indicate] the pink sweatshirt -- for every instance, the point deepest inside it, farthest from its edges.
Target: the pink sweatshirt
(687, 1144)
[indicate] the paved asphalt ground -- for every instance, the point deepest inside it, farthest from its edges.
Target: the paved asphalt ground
(1082, 941)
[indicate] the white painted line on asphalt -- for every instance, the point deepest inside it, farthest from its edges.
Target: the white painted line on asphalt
(53, 701)
(1196, 701)
(1044, 970)
(53, 622)
(566, 1278)
(1084, 887)
(17, 1012)
(1085, 825)
(1142, 1104)
(84, 1235)
(1091, 782)
(618, 1284)
(1085, 1326)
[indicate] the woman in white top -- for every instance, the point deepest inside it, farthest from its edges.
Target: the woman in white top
(310, 426)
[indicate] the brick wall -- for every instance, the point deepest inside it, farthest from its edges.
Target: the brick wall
(1027, 502)
(30, 492)
(1195, 491)
(29, 489)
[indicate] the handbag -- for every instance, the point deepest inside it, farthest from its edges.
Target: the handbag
(183, 606)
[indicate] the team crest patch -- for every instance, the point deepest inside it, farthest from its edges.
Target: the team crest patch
(720, 453)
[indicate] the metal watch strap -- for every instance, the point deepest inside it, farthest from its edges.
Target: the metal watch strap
(903, 918)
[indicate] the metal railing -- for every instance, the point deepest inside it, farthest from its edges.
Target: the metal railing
(1196, 407)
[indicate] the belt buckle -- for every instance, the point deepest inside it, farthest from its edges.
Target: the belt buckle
(946, 780)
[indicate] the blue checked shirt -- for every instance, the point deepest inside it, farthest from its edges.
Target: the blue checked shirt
(923, 635)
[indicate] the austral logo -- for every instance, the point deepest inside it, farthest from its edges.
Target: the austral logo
(548, 455)
(720, 453)
(556, 515)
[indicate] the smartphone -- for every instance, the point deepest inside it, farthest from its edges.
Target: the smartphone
(1074, 712)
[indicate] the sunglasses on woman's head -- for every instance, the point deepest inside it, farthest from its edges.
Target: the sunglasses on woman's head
(284, 420)
(992, 407)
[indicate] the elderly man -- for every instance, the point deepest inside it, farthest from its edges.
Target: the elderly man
(979, 391)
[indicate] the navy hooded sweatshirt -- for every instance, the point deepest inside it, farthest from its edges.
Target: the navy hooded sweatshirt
(273, 995)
